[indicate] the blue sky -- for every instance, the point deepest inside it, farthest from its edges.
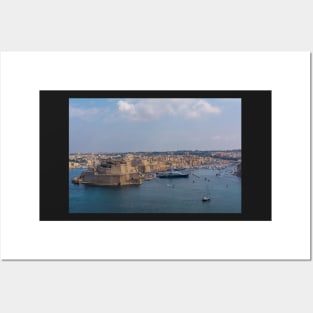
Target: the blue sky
(130, 125)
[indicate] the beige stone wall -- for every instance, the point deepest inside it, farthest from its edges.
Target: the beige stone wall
(118, 169)
(112, 180)
(73, 164)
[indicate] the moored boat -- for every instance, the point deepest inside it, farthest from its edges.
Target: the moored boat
(206, 199)
(173, 174)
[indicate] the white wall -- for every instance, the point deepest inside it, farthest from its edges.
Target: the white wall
(47, 286)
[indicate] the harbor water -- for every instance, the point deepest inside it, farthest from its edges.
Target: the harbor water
(166, 195)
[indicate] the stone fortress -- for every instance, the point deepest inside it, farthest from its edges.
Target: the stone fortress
(111, 172)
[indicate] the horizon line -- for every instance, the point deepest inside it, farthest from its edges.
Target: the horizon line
(158, 151)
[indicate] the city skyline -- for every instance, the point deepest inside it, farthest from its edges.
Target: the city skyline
(176, 152)
(122, 125)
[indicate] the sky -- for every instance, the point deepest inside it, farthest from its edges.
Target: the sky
(150, 124)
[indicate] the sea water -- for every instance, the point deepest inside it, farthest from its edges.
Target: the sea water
(166, 195)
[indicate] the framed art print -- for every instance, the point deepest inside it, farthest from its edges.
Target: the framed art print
(126, 152)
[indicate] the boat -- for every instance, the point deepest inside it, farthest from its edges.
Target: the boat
(206, 198)
(149, 176)
(179, 169)
(173, 174)
(76, 180)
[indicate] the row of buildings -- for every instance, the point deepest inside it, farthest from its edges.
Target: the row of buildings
(147, 162)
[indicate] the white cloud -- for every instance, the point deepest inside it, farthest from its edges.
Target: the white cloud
(124, 106)
(148, 109)
(90, 114)
(83, 112)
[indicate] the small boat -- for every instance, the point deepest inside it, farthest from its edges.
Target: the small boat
(206, 199)
(76, 180)
(148, 177)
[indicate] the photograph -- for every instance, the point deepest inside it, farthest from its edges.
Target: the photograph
(154, 155)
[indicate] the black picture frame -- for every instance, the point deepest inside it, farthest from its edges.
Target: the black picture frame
(256, 155)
